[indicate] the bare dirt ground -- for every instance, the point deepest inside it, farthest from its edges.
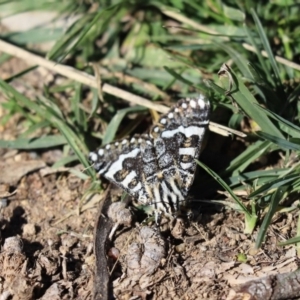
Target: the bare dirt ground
(47, 246)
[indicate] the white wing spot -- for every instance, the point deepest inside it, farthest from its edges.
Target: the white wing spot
(132, 140)
(188, 132)
(201, 103)
(93, 156)
(193, 104)
(184, 105)
(156, 129)
(107, 147)
(170, 115)
(187, 151)
(101, 152)
(186, 165)
(124, 142)
(116, 144)
(163, 121)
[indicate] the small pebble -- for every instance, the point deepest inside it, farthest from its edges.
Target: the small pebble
(13, 244)
(29, 229)
(3, 202)
(180, 248)
(114, 253)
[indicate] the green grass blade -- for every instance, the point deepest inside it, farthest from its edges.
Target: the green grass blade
(114, 124)
(225, 186)
(35, 127)
(53, 116)
(81, 175)
(238, 58)
(293, 240)
(260, 177)
(241, 95)
(274, 184)
(262, 61)
(282, 143)
(250, 218)
(34, 143)
(79, 114)
(20, 74)
(201, 87)
(95, 102)
(254, 151)
(35, 35)
(79, 32)
(295, 94)
(284, 124)
(64, 161)
(267, 47)
(275, 199)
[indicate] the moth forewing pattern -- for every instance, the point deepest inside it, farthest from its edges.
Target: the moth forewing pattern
(158, 168)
